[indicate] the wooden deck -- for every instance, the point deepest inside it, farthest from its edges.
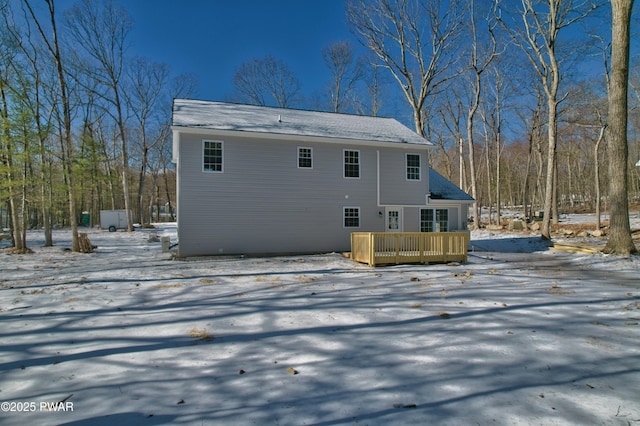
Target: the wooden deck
(384, 248)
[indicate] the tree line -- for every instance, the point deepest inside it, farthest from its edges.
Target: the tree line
(519, 98)
(85, 127)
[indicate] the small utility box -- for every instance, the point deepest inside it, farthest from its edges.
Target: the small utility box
(114, 219)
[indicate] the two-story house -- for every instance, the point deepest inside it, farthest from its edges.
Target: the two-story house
(257, 180)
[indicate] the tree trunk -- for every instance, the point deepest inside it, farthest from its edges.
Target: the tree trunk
(10, 182)
(472, 162)
(551, 161)
(525, 184)
(498, 199)
(620, 240)
(66, 139)
(125, 156)
(596, 164)
(487, 155)
(554, 202)
(461, 162)
(168, 193)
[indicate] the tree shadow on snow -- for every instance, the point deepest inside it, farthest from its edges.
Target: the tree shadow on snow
(510, 245)
(123, 419)
(403, 345)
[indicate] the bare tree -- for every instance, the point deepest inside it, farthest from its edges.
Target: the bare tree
(101, 29)
(147, 81)
(181, 86)
(620, 241)
(32, 74)
(67, 148)
(596, 171)
(451, 110)
(8, 150)
(415, 41)
(267, 81)
(9, 170)
(346, 71)
(542, 21)
(533, 121)
(492, 118)
(481, 58)
(375, 86)
(369, 92)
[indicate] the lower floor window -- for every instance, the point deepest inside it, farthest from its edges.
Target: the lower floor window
(351, 217)
(434, 220)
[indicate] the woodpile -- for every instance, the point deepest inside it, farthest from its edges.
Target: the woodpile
(84, 243)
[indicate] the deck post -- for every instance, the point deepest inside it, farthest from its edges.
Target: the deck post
(372, 249)
(445, 248)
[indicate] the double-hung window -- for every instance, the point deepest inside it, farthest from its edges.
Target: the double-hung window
(413, 166)
(426, 220)
(351, 216)
(212, 156)
(305, 158)
(434, 220)
(351, 163)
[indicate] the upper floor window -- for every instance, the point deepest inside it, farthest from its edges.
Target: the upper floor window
(413, 166)
(305, 158)
(351, 163)
(212, 153)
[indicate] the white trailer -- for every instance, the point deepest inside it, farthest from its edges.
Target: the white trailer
(114, 219)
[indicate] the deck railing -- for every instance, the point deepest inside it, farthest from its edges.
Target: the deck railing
(380, 248)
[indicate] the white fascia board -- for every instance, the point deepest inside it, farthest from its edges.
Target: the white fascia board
(299, 138)
(448, 202)
(175, 145)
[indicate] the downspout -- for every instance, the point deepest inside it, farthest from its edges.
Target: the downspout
(175, 157)
(378, 176)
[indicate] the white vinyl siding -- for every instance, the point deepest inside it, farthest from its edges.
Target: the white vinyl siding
(212, 156)
(395, 188)
(217, 213)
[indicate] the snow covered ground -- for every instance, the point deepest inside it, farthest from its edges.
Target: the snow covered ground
(519, 335)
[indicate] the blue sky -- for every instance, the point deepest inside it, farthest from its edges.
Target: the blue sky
(212, 38)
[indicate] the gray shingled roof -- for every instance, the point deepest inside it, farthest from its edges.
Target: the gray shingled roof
(250, 118)
(443, 189)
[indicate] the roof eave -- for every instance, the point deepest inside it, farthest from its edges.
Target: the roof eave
(449, 200)
(299, 138)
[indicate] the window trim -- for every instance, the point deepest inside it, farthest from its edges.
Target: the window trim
(419, 167)
(344, 216)
(310, 158)
(434, 219)
(438, 221)
(425, 222)
(344, 164)
(204, 169)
